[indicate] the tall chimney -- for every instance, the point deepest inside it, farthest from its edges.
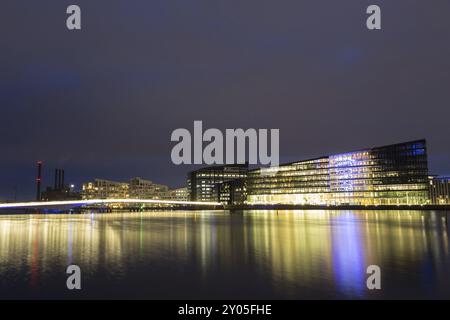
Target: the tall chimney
(38, 181)
(59, 179)
(56, 180)
(62, 180)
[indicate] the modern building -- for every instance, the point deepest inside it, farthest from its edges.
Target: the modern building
(180, 194)
(202, 183)
(139, 188)
(105, 189)
(136, 188)
(390, 175)
(439, 190)
(233, 192)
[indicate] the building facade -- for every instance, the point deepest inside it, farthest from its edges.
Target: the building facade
(180, 194)
(439, 190)
(233, 192)
(105, 189)
(390, 175)
(201, 184)
(136, 188)
(145, 189)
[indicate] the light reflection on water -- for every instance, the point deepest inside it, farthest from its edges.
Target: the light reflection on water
(215, 254)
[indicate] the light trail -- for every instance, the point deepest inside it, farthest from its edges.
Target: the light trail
(37, 204)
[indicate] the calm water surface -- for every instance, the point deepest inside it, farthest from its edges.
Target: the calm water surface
(215, 254)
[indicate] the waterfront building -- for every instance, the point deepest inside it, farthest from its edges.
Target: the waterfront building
(439, 190)
(389, 175)
(180, 194)
(202, 183)
(145, 189)
(136, 188)
(232, 192)
(105, 189)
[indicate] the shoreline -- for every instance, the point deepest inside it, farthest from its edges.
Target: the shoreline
(231, 208)
(339, 207)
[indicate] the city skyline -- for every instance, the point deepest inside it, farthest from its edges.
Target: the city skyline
(103, 101)
(389, 175)
(47, 179)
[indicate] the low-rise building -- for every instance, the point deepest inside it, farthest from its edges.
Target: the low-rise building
(180, 194)
(105, 189)
(145, 189)
(136, 188)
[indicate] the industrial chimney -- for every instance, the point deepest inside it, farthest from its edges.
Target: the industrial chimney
(58, 187)
(38, 181)
(55, 186)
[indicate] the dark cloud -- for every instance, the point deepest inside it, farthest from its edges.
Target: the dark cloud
(102, 102)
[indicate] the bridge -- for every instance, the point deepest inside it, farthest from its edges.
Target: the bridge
(103, 202)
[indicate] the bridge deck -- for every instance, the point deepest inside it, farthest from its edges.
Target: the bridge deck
(77, 203)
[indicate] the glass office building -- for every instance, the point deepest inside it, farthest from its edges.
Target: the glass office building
(203, 184)
(232, 192)
(439, 190)
(390, 175)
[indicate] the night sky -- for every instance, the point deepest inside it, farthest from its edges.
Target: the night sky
(102, 102)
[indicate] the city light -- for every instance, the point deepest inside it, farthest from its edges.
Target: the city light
(101, 201)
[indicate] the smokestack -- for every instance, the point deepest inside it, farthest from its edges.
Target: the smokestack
(59, 179)
(38, 181)
(56, 180)
(62, 180)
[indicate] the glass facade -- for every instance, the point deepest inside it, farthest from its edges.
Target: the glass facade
(232, 192)
(389, 175)
(202, 184)
(439, 190)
